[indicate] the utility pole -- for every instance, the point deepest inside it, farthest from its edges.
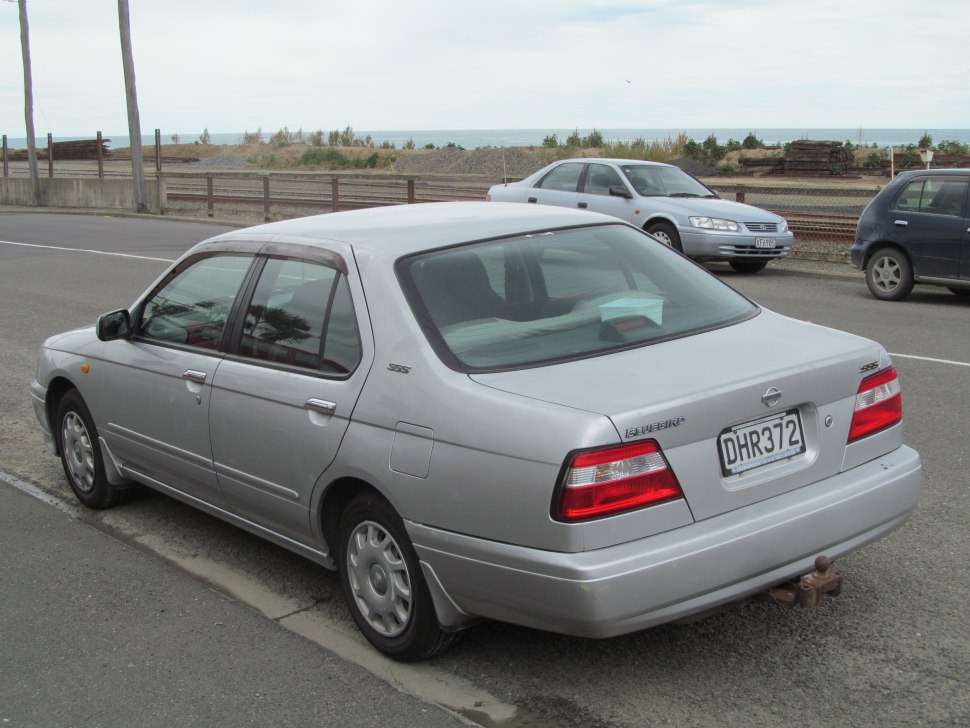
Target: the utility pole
(35, 192)
(134, 125)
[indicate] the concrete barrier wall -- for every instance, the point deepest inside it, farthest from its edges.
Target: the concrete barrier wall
(105, 194)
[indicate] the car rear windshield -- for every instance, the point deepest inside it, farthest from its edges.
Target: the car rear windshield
(560, 295)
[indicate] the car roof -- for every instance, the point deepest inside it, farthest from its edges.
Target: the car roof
(405, 229)
(615, 160)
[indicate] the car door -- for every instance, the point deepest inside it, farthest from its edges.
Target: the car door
(928, 218)
(559, 186)
(156, 386)
(283, 397)
(596, 195)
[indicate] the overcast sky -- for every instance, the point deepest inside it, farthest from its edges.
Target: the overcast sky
(235, 65)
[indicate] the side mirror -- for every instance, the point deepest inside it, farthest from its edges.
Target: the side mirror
(114, 325)
(620, 191)
(716, 194)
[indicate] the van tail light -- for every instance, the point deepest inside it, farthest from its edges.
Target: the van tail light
(607, 481)
(878, 404)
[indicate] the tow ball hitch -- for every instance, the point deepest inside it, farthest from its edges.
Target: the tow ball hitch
(809, 590)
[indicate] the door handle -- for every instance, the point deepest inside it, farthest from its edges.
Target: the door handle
(194, 375)
(320, 405)
(581, 205)
(533, 199)
(901, 223)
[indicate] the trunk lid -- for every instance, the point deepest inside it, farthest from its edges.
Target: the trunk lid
(686, 393)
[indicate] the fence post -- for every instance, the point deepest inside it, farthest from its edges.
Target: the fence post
(100, 157)
(6, 162)
(739, 193)
(208, 193)
(158, 151)
(266, 198)
(50, 154)
(335, 193)
(162, 196)
(410, 190)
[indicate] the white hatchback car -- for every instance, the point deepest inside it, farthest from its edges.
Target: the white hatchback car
(663, 200)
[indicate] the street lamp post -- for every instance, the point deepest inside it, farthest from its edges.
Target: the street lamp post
(926, 155)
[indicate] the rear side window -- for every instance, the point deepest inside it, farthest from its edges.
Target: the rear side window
(565, 177)
(561, 295)
(301, 315)
(934, 195)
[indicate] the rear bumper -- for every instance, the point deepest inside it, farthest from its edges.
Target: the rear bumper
(672, 575)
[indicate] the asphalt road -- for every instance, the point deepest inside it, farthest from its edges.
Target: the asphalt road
(892, 650)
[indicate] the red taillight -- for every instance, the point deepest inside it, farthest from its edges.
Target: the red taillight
(488, 197)
(603, 482)
(878, 404)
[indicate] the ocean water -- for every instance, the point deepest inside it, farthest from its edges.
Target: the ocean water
(477, 138)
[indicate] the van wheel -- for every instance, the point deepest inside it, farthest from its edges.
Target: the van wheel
(383, 584)
(889, 275)
(666, 234)
(81, 453)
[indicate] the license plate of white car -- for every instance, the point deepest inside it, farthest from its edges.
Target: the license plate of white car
(759, 442)
(764, 242)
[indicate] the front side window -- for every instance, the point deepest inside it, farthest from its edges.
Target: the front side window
(934, 195)
(561, 295)
(301, 315)
(192, 308)
(565, 177)
(599, 179)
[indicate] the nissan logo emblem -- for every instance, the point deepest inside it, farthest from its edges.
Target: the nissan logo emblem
(771, 397)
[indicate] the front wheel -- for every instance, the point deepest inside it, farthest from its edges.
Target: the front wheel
(81, 453)
(889, 275)
(749, 266)
(383, 584)
(666, 234)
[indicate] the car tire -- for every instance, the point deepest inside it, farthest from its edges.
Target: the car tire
(961, 292)
(748, 266)
(666, 234)
(383, 583)
(81, 453)
(889, 275)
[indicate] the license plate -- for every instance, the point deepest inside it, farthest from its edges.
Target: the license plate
(764, 242)
(759, 442)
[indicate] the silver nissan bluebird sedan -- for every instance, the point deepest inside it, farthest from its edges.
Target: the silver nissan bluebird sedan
(522, 413)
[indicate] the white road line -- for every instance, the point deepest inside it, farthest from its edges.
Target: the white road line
(929, 358)
(85, 250)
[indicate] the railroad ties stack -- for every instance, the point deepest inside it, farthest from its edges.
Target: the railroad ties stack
(80, 149)
(805, 158)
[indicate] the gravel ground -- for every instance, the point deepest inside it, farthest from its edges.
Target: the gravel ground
(512, 162)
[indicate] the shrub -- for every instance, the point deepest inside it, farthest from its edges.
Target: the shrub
(409, 144)
(953, 149)
(205, 137)
(176, 139)
(315, 138)
(925, 141)
(574, 140)
(595, 139)
(281, 138)
(429, 145)
(255, 137)
(551, 141)
(752, 142)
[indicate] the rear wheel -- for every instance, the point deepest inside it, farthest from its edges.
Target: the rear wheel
(889, 275)
(383, 584)
(666, 234)
(81, 454)
(749, 266)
